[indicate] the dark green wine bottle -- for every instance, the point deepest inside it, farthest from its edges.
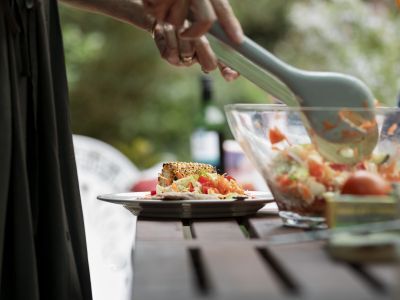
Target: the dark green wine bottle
(208, 135)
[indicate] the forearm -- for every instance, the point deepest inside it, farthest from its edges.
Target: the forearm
(128, 11)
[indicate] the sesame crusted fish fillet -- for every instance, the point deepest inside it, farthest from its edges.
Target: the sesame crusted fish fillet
(175, 170)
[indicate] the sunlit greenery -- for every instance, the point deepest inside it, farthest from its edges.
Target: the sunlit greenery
(355, 37)
(123, 93)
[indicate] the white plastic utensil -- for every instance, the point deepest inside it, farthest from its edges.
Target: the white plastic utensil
(346, 132)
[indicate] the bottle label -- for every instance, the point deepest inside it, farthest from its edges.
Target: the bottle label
(205, 147)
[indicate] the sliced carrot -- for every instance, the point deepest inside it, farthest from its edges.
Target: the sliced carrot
(355, 152)
(388, 169)
(304, 190)
(276, 136)
(348, 115)
(349, 133)
(328, 125)
(174, 187)
(223, 185)
(368, 125)
(392, 128)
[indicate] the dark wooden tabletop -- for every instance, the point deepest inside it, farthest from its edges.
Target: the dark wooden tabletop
(233, 259)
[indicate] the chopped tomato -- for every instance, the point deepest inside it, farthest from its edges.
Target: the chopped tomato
(276, 136)
(153, 193)
(338, 167)
(204, 189)
(366, 183)
(206, 184)
(315, 168)
(204, 180)
(229, 177)
(284, 180)
(191, 187)
(360, 166)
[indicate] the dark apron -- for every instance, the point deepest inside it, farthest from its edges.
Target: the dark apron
(42, 240)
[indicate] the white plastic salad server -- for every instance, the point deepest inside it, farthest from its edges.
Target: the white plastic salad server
(345, 135)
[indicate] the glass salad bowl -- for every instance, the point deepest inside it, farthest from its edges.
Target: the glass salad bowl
(277, 142)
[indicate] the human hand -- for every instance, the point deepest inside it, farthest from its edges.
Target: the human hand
(181, 42)
(202, 14)
(183, 52)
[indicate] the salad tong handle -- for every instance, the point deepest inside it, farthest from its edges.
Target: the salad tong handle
(253, 62)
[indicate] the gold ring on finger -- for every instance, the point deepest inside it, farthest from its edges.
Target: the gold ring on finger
(187, 59)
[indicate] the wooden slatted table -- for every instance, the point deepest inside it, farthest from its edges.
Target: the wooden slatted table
(232, 259)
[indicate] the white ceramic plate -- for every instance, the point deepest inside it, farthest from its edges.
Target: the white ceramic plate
(140, 205)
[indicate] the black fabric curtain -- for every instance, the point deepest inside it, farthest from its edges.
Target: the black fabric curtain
(42, 240)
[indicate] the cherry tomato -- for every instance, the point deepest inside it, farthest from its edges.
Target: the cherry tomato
(365, 183)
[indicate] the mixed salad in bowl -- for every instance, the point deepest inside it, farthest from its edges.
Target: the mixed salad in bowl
(301, 178)
(309, 179)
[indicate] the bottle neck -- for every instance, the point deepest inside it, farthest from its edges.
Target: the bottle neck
(208, 137)
(205, 104)
(212, 117)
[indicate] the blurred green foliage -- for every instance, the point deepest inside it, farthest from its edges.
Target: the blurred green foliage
(123, 93)
(356, 37)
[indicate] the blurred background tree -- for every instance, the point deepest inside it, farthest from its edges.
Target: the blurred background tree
(123, 93)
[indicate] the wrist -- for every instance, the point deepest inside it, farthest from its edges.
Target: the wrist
(132, 12)
(128, 11)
